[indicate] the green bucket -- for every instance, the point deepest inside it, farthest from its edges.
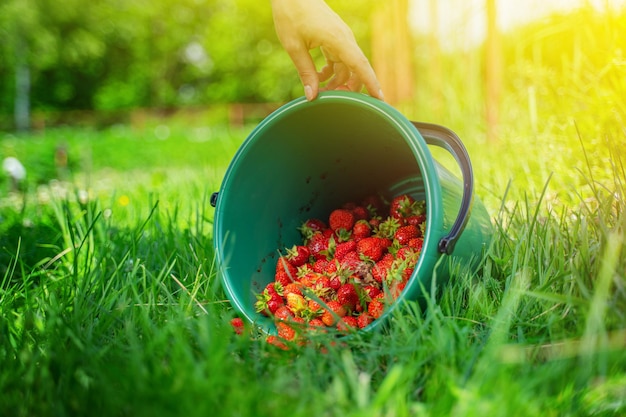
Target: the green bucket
(307, 158)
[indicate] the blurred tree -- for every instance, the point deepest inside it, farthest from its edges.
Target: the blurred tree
(493, 72)
(392, 54)
(115, 54)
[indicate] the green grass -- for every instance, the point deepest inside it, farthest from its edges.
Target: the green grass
(114, 309)
(109, 302)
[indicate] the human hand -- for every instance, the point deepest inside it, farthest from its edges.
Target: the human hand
(302, 25)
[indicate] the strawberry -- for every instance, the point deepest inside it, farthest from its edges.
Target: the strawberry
(341, 219)
(343, 248)
(332, 311)
(371, 292)
(360, 213)
(318, 245)
(361, 229)
(374, 204)
(400, 206)
(268, 302)
(375, 222)
(388, 227)
(372, 247)
(296, 303)
(382, 267)
(320, 265)
(416, 219)
(348, 296)
(237, 324)
(285, 271)
(352, 263)
(316, 322)
(283, 313)
(310, 226)
(407, 254)
(276, 341)
(285, 331)
(397, 288)
(292, 288)
(335, 282)
(364, 320)
(274, 303)
(406, 233)
(298, 255)
(416, 243)
(347, 323)
(376, 307)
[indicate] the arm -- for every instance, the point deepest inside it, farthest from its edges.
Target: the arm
(302, 25)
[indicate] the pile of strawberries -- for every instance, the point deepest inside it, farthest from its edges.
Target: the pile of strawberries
(347, 269)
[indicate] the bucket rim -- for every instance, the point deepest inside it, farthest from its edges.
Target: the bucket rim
(413, 139)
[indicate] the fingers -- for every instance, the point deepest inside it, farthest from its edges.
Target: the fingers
(362, 72)
(306, 70)
(349, 67)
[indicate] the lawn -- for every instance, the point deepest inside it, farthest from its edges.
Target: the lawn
(110, 303)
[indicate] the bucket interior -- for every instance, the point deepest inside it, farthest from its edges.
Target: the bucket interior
(302, 162)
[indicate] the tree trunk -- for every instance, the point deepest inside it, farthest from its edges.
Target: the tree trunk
(22, 87)
(392, 51)
(435, 67)
(493, 73)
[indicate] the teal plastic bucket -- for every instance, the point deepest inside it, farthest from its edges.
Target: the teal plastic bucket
(307, 158)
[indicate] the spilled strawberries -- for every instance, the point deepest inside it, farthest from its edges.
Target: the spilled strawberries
(347, 270)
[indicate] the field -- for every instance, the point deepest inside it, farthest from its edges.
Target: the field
(110, 305)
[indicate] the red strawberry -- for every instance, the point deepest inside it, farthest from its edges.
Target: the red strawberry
(341, 219)
(371, 291)
(318, 245)
(347, 323)
(238, 325)
(320, 265)
(400, 206)
(397, 288)
(332, 310)
(374, 204)
(360, 213)
(268, 302)
(348, 296)
(298, 255)
(274, 303)
(335, 282)
(416, 244)
(364, 320)
(310, 226)
(276, 341)
(285, 271)
(375, 222)
(352, 263)
(343, 248)
(406, 233)
(372, 247)
(285, 331)
(316, 322)
(382, 267)
(361, 229)
(376, 307)
(283, 313)
(292, 288)
(416, 220)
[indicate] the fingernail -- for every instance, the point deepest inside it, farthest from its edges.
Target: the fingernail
(380, 95)
(308, 92)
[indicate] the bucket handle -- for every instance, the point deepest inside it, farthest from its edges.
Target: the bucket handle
(445, 138)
